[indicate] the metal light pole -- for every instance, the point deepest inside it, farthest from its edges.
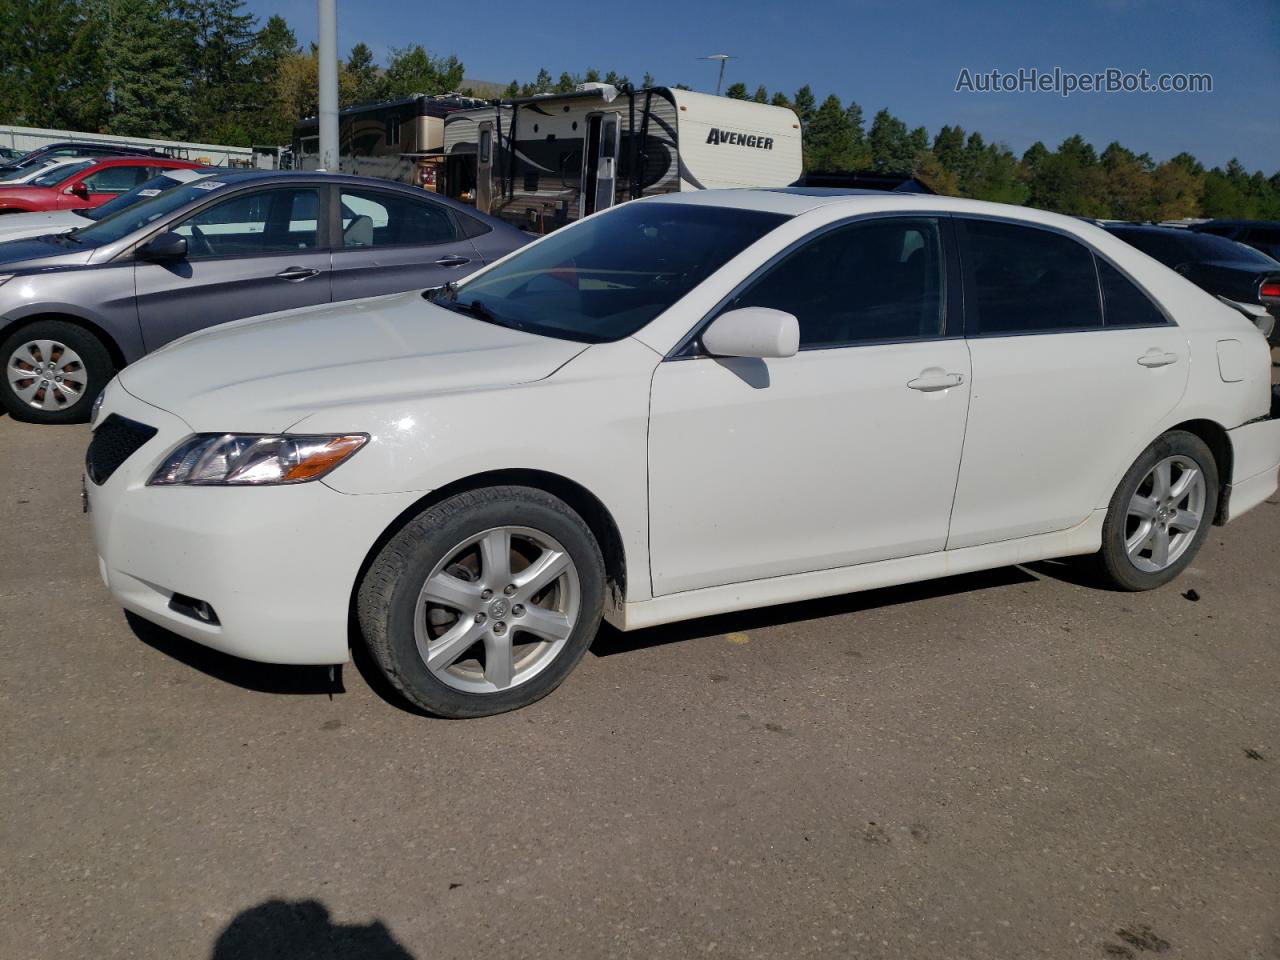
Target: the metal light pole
(722, 57)
(328, 85)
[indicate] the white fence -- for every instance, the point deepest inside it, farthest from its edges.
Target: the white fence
(29, 138)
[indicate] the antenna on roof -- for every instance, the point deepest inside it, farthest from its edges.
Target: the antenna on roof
(722, 57)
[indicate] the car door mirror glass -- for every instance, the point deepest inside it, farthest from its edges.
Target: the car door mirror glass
(760, 332)
(165, 246)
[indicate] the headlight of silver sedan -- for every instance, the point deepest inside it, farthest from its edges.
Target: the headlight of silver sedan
(239, 459)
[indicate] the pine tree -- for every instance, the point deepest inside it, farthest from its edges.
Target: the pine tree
(51, 69)
(761, 95)
(890, 146)
(365, 81)
(829, 143)
(805, 105)
(150, 80)
(736, 91)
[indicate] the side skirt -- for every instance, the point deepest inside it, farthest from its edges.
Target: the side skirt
(1084, 538)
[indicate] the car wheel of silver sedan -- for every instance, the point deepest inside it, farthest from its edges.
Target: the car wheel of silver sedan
(1161, 512)
(484, 602)
(53, 370)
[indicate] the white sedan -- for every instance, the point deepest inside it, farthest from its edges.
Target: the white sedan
(683, 406)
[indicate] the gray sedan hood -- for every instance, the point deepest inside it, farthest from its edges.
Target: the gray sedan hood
(49, 251)
(264, 374)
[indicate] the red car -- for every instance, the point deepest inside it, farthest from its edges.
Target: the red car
(88, 184)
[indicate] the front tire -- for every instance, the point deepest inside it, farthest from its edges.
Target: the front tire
(483, 603)
(1160, 514)
(54, 370)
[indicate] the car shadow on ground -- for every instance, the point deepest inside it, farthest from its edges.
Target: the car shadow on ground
(304, 680)
(611, 641)
(259, 677)
(276, 929)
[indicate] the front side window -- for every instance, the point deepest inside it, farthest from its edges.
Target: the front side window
(1026, 280)
(1123, 303)
(264, 221)
(605, 278)
(115, 179)
(371, 218)
(870, 281)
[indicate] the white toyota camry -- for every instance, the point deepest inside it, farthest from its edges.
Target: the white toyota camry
(682, 406)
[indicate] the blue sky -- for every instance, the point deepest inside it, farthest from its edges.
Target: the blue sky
(887, 53)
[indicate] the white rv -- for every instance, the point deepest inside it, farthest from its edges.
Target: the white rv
(543, 161)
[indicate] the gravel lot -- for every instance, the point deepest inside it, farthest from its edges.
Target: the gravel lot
(1003, 765)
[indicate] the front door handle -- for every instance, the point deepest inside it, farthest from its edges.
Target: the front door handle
(295, 274)
(931, 380)
(1155, 358)
(452, 260)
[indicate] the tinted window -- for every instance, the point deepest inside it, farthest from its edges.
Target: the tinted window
(1203, 246)
(264, 221)
(1123, 304)
(1026, 280)
(605, 278)
(58, 174)
(1265, 235)
(115, 179)
(877, 280)
(374, 219)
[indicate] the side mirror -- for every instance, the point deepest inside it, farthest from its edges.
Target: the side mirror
(164, 246)
(78, 190)
(753, 332)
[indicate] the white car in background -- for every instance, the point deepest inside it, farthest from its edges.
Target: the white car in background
(19, 226)
(18, 177)
(682, 406)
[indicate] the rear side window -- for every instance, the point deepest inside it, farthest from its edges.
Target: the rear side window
(871, 281)
(1027, 280)
(374, 219)
(1123, 304)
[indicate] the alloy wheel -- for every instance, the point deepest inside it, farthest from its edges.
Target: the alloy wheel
(1164, 514)
(497, 610)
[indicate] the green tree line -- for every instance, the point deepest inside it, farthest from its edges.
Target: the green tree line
(206, 70)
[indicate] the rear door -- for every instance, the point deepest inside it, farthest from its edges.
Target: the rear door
(389, 241)
(251, 253)
(1074, 367)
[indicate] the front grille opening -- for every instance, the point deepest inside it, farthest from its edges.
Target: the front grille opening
(195, 609)
(115, 440)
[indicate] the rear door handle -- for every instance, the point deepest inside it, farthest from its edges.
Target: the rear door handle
(453, 260)
(930, 381)
(294, 274)
(1155, 358)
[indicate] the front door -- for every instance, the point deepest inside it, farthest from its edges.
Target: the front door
(392, 242)
(1067, 373)
(843, 454)
(252, 253)
(600, 162)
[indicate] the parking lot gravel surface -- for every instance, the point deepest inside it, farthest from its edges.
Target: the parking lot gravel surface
(1011, 764)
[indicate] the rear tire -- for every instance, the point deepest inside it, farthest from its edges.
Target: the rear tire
(54, 370)
(485, 602)
(1160, 514)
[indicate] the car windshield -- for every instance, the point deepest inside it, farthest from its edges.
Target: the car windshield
(605, 278)
(25, 171)
(138, 215)
(151, 188)
(58, 174)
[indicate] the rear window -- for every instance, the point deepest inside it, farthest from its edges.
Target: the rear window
(59, 174)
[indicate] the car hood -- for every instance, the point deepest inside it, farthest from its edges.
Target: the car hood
(42, 251)
(15, 226)
(264, 374)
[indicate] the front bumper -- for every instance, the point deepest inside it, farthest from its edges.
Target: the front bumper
(275, 564)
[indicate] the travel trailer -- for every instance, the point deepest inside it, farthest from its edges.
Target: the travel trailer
(540, 162)
(391, 139)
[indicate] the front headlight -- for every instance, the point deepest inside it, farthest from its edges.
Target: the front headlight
(238, 459)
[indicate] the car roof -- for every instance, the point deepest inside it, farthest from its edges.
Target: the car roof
(795, 201)
(132, 160)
